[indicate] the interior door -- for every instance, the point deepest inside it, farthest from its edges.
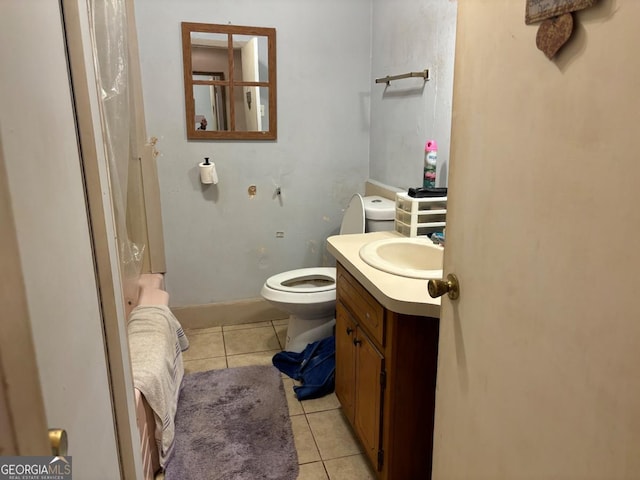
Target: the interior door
(538, 359)
(54, 241)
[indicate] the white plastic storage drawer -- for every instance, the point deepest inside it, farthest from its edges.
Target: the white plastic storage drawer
(420, 216)
(419, 229)
(414, 205)
(424, 216)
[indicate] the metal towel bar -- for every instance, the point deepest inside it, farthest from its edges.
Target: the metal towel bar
(424, 74)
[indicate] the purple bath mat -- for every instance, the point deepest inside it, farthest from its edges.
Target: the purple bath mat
(233, 424)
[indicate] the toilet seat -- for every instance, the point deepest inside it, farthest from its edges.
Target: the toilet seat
(304, 280)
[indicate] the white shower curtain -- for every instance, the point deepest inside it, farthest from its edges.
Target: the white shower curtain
(108, 22)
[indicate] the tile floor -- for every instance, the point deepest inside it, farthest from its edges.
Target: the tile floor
(327, 448)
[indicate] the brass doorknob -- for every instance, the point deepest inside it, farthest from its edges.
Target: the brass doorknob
(58, 441)
(450, 286)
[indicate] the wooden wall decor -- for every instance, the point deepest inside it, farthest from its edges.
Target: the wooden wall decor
(553, 33)
(542, 9)
(557, 25)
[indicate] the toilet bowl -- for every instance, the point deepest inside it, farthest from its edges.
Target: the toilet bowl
(309, 294)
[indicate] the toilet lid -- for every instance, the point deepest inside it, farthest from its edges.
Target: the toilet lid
(304, 280)
(353, 219)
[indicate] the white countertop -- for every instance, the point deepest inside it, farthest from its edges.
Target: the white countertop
(398, 294)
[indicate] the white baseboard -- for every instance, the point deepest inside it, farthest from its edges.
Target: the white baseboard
(227, 313)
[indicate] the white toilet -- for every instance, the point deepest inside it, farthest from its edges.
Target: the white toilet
(309, 294)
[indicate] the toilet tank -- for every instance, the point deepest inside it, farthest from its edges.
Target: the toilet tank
(379, 213)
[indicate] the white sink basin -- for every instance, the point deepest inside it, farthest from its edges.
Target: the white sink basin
(407, 257)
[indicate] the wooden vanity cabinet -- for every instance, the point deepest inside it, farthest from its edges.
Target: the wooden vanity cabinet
(385, 380)
(360, 386)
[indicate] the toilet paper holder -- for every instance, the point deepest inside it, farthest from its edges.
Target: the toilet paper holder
(208, 174)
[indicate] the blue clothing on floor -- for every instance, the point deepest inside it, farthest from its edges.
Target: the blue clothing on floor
(314, 367)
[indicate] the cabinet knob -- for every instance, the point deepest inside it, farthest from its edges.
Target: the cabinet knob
(349, 330)
(357, 342)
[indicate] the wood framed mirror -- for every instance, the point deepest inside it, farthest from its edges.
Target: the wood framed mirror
(229, 82)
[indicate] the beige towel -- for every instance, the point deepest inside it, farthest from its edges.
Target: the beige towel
(156, 343)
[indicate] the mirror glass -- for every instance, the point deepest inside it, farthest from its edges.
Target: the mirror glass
(230, 81)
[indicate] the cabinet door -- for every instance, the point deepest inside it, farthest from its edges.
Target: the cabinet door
(369, 387)
(345, 360)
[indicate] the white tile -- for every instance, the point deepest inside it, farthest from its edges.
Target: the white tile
(255, 358)
(250, 340)
(205, 364)
(355, 467)
(295, 407)
(281, 333)
(199, 331)
(205, 345)
(333, 434)
(244, 326)
(328, 402)
(305, 445)
(312, 471)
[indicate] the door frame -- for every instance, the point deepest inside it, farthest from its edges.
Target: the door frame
(103, 234)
